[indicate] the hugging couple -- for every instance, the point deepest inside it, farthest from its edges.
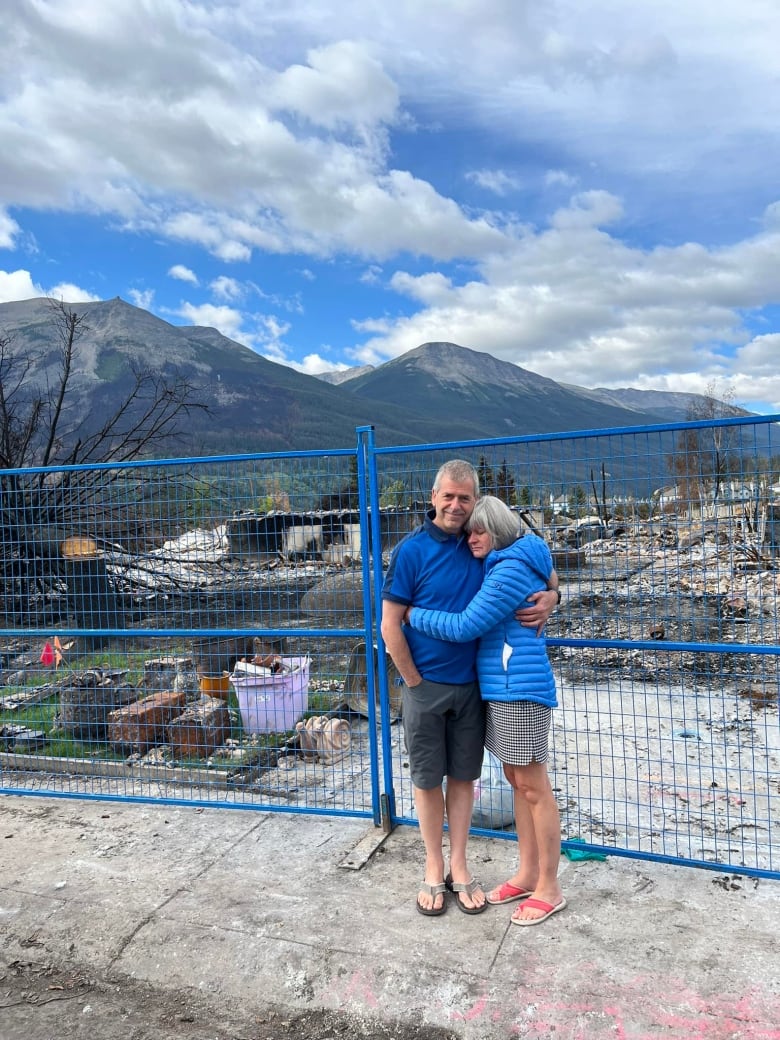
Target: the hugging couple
(464, 604)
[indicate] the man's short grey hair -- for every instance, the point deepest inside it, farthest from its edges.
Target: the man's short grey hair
(459, 472)
(496, 519)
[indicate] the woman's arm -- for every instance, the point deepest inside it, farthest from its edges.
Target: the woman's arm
(508, 584)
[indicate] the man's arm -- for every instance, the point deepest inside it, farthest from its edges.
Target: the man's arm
(544, 604)
(396, 644)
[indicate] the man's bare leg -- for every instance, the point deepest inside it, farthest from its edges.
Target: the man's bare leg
(460, 804)
(429, 803)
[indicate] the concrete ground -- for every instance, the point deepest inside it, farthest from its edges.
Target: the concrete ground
(240, 911)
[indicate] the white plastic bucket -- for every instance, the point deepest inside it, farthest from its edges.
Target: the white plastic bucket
(272, 703)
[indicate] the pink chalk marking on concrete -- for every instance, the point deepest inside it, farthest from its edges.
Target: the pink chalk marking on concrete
(708, 1028)
(723, 1017)
(640, 1008)
(475, 1011)
(359, 989)
(548, 1017)
(698, 1018)
(617, 1015)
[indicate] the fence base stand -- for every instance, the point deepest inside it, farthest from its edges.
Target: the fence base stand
(372, 840)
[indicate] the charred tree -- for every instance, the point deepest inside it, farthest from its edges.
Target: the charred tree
(52, 493)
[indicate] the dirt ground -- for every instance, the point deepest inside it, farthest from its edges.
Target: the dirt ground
(39, 1002)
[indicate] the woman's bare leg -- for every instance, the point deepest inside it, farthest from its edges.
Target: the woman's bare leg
(532, 786)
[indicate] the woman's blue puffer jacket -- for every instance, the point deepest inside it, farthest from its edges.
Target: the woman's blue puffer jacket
(512, 661)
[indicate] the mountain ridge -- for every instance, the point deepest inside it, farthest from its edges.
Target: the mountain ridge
(435, 393)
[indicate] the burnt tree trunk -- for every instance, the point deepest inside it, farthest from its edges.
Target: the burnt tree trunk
(91, 593)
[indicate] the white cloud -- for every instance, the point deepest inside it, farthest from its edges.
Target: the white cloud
(271, 331)
(225, 288)
(143, 298)
(182, 274)
(755, 374)
(589, 209)
(70, 293)
(9, 229)
(559, 178)
(428, 288)
(261, 332)
(342, 83)
(226, 320)
(578, 305)
(209, 231)
(188, 140)
(246, 130)
(759, 356)
(498, 181)
(372, 275)
(314, 364)
(19, 285)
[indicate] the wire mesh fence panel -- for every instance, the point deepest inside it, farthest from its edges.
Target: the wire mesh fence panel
(666, 740)
(185, 630)
(137, 719)
(207, 630)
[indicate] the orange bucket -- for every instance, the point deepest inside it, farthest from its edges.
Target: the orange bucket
(215, 685)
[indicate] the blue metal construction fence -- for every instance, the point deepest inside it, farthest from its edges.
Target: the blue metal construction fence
(206, 631)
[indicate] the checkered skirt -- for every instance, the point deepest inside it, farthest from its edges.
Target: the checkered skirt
(518, 731)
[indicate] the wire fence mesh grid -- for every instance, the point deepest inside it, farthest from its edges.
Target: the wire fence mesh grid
(156, 617)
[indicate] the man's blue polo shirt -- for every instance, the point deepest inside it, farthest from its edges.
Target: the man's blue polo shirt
(430, 568)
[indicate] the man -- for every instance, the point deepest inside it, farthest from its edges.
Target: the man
(442, 709)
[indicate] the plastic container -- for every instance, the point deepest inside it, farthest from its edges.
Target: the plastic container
(272, 703)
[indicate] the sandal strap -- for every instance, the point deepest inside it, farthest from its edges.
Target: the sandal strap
(469, 887)
(433, 890)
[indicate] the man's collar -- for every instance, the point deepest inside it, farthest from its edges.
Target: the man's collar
(436, 532)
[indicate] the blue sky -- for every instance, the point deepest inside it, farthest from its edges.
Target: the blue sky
(590, 191)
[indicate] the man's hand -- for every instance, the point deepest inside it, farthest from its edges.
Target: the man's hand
(395, 642)
(544, 603)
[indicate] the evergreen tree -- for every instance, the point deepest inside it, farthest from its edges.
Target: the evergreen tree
(487, 479)
(577, 501)
(505, 485)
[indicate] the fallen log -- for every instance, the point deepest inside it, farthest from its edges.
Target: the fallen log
(200, 728)
(143, 724)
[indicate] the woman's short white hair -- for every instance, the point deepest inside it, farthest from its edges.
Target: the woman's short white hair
(496, 519)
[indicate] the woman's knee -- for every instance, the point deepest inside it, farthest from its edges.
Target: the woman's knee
(531, 782)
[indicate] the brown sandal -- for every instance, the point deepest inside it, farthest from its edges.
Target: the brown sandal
(469, 888)
(433, 891)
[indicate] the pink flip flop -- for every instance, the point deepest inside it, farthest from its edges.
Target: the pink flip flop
(538, 904)
(508, 893)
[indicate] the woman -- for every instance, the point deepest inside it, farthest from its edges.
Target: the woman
(517, 683)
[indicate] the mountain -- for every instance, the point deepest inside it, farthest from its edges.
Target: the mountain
(255, 404)
(476, 396)
(435, 393)
(344, 375)
(669, 406)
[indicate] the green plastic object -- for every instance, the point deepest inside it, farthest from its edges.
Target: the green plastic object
(576, 855)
